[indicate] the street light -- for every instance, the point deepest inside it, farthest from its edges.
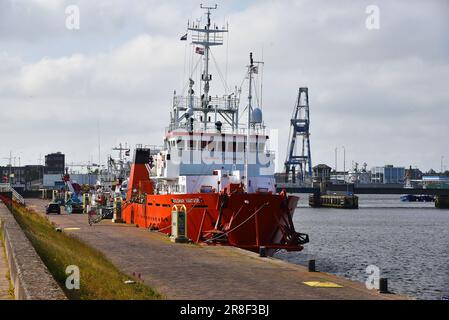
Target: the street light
(344, 164)
(336, 149)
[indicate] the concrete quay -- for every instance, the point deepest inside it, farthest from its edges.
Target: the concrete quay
(185, 271)
(29, 275)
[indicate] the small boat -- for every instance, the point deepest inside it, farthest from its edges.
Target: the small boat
(415, 198)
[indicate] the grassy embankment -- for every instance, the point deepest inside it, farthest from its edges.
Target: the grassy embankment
(99, 278)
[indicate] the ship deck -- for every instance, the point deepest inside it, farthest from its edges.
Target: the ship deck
(187, 271)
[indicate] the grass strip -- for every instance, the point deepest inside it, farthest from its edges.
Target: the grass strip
(99, 278)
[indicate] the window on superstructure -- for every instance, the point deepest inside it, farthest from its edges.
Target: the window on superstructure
(192, 144)
(180, 144)
(240, 146)
(220, 146)
(211, 146)
(230, 147)
(252, 147)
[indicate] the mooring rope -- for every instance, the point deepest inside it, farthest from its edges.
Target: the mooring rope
(238, 226)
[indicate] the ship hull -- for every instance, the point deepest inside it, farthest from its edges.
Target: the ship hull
(248, 221)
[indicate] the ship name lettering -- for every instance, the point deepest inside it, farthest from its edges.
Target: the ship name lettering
(194, 200)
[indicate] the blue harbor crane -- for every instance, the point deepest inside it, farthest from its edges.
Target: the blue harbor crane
(298, 165)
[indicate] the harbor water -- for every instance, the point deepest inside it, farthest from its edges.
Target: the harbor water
(407, 241)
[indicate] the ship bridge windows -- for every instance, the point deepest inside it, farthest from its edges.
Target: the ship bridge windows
(231, 146)
(252, 147)
(192, 145)
(216, 144)
(211, 146)
(180, 144)
(240, 146)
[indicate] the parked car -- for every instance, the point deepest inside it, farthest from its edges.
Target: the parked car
(53, 207)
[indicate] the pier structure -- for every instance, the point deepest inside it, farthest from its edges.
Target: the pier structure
(350, 190)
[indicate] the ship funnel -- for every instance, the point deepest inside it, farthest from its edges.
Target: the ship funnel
(256, 115)
(139, 178)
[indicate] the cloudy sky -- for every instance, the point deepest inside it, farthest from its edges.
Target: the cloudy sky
(381, 93)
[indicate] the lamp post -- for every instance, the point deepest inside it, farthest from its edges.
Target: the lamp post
(344, 164)
(336, 149)
(442, 158)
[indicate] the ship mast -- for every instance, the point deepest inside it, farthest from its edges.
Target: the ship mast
(205, 76)
(247, 149)
(120, 149)
(206, 37)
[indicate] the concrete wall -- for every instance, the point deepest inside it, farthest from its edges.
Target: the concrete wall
(29, 275)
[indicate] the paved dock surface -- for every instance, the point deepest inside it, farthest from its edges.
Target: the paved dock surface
(181, 271)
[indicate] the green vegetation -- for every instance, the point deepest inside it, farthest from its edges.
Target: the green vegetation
(7, 275)
(99, 278)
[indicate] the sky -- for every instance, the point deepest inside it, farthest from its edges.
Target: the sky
(379, 94)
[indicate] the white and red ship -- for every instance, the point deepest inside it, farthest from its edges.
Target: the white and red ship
(217, 170)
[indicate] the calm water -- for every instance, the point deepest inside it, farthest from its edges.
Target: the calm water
(409, 242)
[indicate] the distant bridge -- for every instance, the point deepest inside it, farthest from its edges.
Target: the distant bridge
(340, 188)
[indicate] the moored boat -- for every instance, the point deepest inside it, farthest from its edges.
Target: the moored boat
(214, 175)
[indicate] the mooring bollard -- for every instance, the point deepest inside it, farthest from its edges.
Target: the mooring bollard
(262, 251)
(312, 266)
(383, 285)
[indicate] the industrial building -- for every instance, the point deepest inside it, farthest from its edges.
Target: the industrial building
(54, 163)
(388, 174)
(54, 181)
(321, 173)
(31, 177)
(23, 177)
(435, 182)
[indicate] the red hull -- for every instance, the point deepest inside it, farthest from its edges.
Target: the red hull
(247, 221)
(231, 217)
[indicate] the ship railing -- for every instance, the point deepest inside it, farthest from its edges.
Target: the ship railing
(215, 38)
(199, 127)
(6, 187)
(229, 102)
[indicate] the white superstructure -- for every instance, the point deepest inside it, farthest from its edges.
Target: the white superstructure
(205, 145)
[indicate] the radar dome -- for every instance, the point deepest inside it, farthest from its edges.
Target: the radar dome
(256, 115)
